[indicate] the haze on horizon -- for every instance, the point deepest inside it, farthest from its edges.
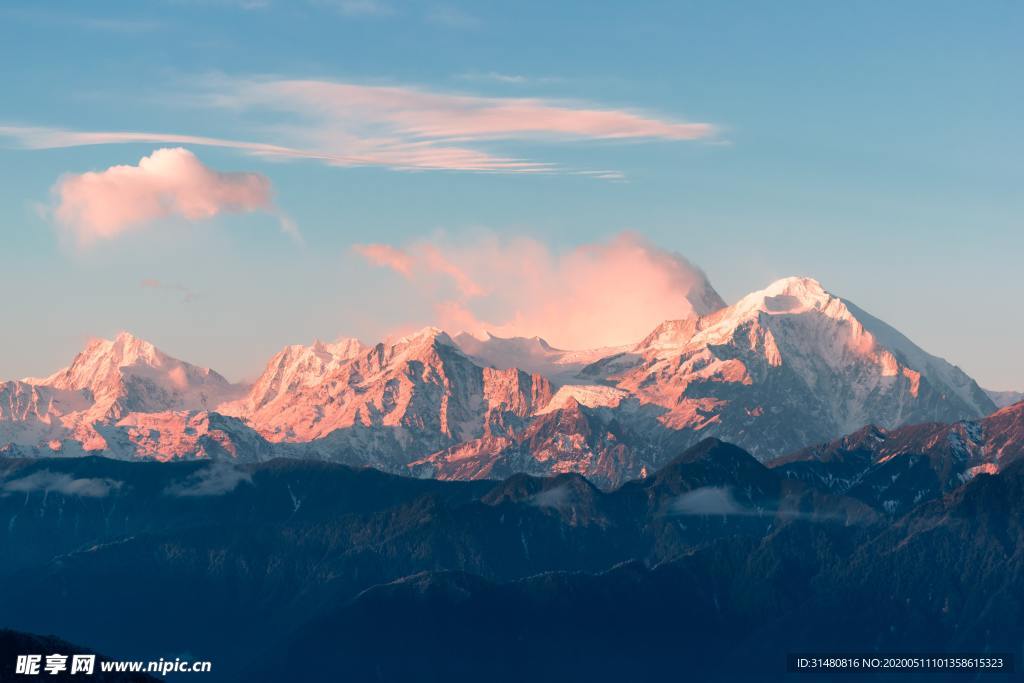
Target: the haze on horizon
(411, 163)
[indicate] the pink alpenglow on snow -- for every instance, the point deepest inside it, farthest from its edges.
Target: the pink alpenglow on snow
(171, 182)
(604, 294)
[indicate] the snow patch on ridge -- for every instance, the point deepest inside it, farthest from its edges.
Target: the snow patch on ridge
(531, 354)
(589, 395)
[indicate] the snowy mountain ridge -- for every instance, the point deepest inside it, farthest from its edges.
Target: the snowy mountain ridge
(783, 367)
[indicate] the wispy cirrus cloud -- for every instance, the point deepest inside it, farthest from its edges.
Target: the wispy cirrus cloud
(425, 115)
(350, 152)
(414, 128)
(397, 127)
(171, 182)
(42, 137)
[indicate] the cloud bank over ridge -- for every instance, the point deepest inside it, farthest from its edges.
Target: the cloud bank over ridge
(606, 293)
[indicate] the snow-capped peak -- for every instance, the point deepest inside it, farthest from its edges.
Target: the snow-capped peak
(420, 345)
(427, 334)
(796, 285)
(344, 347)
(129, 373)
(789, 295)
(101, 358)
(296, 366)
(827, 352)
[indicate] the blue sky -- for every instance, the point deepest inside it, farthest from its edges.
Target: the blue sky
(875, 146)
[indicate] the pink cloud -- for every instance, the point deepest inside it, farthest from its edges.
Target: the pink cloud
(387, 257)
(413, 128)
(607, 294)
(398, 127)
(404, 128)
(100, 205)
(425, 260)
(428, 115)
(437, 262)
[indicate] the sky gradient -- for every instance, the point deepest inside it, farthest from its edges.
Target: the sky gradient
(211, 175)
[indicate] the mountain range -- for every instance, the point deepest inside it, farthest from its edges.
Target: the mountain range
(782, 368)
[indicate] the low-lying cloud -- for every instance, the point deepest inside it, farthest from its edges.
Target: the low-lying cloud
(602, 294)
(59, 482)
(557, 497)
(215, 479)
(169, 183)
(709, 500)
(719, 501)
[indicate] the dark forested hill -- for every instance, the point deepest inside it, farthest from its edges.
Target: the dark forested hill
(715, 564)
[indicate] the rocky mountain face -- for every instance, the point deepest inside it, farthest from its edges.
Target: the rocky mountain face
(126, 379)
(784, 367)
(714, 560)
(791, 364)
(1005, 398)
(130, 375)
(387, 404)
(897, 469)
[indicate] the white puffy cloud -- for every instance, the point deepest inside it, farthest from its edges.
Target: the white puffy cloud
(171, 182)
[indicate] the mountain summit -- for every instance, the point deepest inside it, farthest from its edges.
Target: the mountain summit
(789, 364)
(128, 374)
(108, 381)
